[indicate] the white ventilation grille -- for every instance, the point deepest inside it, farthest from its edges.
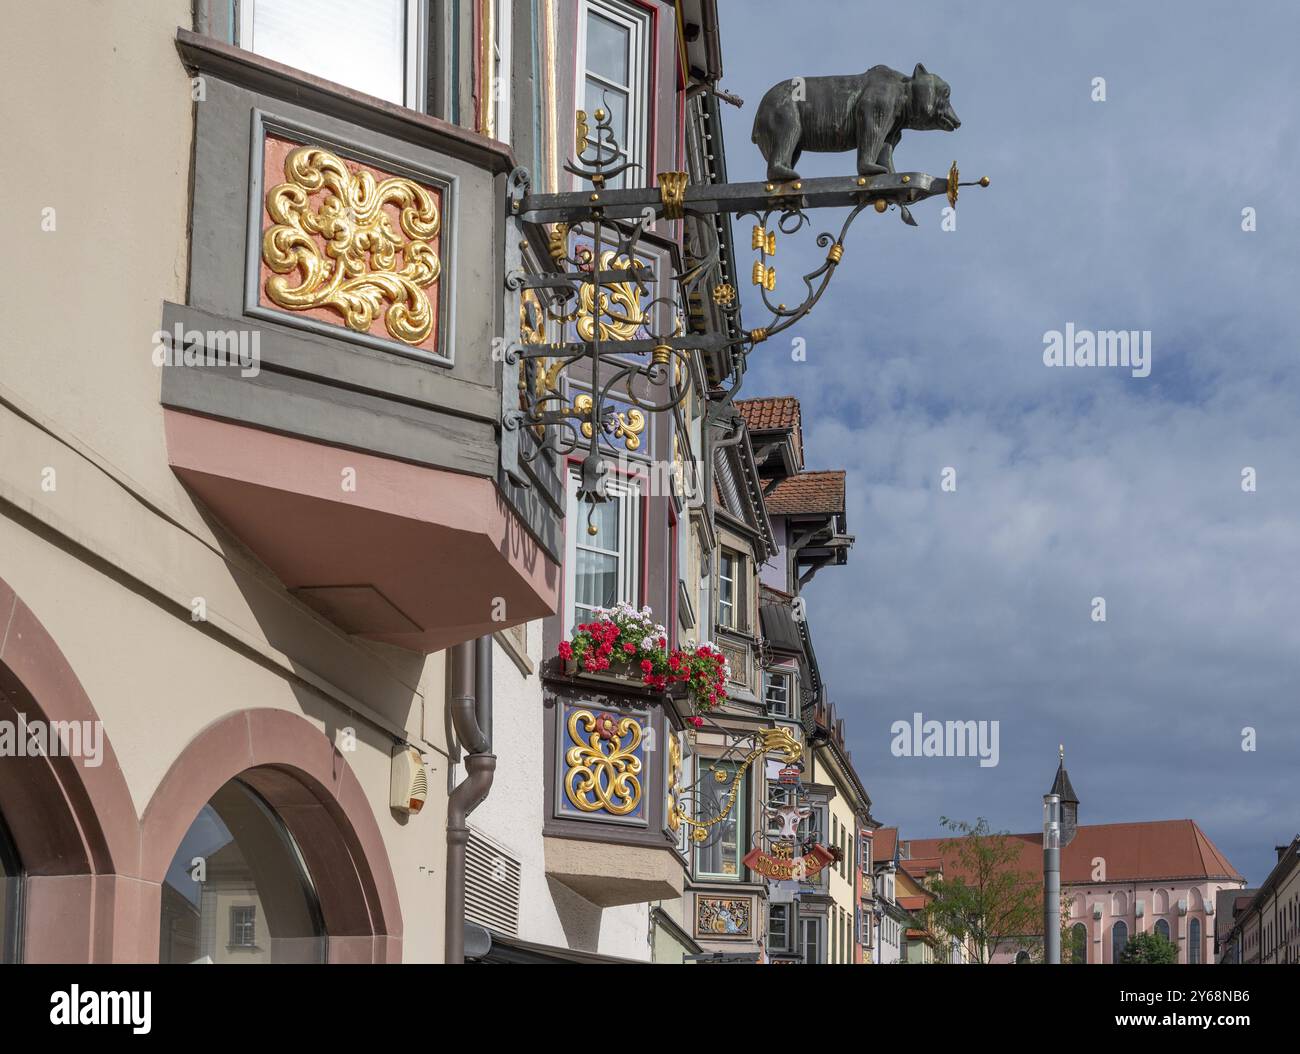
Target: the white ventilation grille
(491, 885)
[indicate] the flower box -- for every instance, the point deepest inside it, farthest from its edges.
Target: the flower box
(625, 646)
(619, 675)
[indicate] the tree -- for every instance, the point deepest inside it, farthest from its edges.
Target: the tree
(985, 900)
(1149, 948)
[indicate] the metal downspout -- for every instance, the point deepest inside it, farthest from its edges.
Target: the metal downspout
(470, 703)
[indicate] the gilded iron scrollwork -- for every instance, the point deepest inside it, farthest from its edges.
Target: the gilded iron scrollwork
(698, 806)
(604, 286)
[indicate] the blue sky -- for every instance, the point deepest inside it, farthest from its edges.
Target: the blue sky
(926, 352)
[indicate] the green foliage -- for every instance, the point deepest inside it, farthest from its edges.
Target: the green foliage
(985, 899)
(1149, 948)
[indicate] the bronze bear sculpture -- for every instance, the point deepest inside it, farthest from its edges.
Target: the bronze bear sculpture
(864, 111)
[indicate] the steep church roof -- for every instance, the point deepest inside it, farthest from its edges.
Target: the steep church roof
(1062, 786)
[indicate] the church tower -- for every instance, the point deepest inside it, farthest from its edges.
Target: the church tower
(1069, 802)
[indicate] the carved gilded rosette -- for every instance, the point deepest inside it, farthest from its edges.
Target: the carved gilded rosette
(350, 245)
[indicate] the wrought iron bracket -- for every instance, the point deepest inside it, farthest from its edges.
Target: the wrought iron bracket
(596, 308)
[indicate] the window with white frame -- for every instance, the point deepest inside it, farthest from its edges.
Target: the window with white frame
(501, 58)
(731, 589)
(614, 70)
(811, 939)
(243, 926)
(776, 693)
(778, 927)
(380, 54)
(601, 567)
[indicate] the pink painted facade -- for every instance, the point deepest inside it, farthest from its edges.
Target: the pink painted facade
(1182, 910)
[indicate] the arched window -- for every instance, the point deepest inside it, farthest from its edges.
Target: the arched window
(237, 890)
(1022, 957)
(1194, 941)
(1162, 928)
(1118, 941)
(1078, 943)
(11, 877)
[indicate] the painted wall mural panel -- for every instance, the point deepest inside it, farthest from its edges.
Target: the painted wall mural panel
(724, 917)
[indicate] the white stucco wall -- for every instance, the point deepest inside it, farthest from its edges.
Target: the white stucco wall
(515, 811)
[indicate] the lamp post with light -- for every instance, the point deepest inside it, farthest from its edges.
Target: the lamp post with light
(1052, 879)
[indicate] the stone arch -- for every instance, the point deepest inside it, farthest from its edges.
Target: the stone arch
(294, 767)
(73, 823)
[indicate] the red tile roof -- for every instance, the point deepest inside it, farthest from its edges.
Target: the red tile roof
(778, 413)
(808, 492)
(1134, 852)
(882, 845)
(921, 868)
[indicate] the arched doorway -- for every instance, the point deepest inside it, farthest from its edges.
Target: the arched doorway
(269, 807)
(70, 828)
(238, 891)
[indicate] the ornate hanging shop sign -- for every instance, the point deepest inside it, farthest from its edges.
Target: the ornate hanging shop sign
(605, 318)
(783, 865)
(785, 846)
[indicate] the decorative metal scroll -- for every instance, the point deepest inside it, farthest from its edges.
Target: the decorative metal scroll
(705, 805)
(787, 844)
(599, 310)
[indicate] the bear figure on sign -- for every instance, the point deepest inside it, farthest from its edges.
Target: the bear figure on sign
(866, 112)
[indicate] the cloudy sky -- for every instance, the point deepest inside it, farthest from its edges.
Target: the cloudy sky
(927, 352)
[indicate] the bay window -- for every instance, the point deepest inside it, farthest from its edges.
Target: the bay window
(811, 939)
(776, 693)
(601, 566)
(778, 927)
(372, 46)
(720, 856)
(614, 70)
(731, 590)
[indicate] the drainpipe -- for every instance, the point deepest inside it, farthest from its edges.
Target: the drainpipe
(470, 703)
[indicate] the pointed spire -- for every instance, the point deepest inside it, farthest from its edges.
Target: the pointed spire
(1061, 785)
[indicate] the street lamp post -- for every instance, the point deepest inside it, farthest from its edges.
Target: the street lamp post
(1052, 878)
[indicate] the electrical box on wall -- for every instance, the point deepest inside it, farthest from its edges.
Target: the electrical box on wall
(410, 782)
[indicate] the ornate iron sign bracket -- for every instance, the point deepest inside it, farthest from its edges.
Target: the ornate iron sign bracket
(596, 311)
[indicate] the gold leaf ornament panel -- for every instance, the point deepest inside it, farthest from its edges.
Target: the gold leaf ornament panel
(350, 245)
(603, 762)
